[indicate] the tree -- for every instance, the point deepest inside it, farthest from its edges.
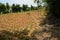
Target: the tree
(7, 7)
(54, 7)
(18, 8)
(32, 8)
(25, 7)
(13, 8)
(54, 11)
(39, 2)
(2, 8)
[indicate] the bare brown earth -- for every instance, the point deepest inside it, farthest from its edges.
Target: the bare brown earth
(19, 21)
(30, 20)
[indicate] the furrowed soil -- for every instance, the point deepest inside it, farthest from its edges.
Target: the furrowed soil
(20, 21)
(31, 21)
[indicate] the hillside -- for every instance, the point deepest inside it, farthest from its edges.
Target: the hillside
(19, 21)
(30, 21)
(22, 22)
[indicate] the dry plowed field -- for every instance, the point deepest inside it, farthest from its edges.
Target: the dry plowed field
(22, 20)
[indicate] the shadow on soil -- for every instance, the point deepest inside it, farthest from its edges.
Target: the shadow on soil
(55, 22)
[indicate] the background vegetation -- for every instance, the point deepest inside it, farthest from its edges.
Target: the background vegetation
(15, 8)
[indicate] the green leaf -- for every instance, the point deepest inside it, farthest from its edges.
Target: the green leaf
(44, 0)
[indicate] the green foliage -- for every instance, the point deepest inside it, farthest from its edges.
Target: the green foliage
(37, 1)
(2, 8)
(54, 7)
(33, 8)
(54, 11)
(44, 0)
(15, 8)
(18, 8)
(25, 7)
(7, 7)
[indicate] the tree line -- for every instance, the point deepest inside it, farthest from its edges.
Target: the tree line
(15, 8)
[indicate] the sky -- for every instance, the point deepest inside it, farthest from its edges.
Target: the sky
(21, 2)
